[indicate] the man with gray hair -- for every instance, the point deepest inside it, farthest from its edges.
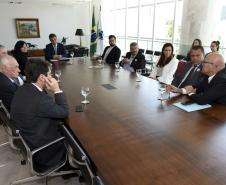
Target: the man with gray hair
(9, 79)
(213, 88)
(3, 50)
(134, 59)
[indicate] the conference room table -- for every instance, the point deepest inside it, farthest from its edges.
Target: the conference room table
(135, 139)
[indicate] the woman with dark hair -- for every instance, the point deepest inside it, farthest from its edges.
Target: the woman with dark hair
(196, 42)
(20, 54)
(215, 46)
(165, 66)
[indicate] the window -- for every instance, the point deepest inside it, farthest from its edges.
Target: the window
(132, 22)
(146, 21)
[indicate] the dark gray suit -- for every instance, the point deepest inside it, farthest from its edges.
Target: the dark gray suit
(7, 90)
(213, 92)
(36, 115)
(113, 56)
(193, 79)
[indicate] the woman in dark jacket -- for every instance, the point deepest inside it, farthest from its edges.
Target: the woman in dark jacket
(20, 54)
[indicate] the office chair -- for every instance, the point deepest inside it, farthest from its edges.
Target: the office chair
(141, 50)
(80, 158)
(157, 53)
(44, 172)
(8, 127)
(180, 57)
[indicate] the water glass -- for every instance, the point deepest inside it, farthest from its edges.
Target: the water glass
(138, 74)
(58, 74)
(117, 66)
(85, 92)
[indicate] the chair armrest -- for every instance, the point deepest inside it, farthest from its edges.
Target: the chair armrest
(47, 145)
(39, 148)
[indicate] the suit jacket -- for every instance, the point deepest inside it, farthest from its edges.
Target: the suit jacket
(49, 51)
(215, 91)
(192, 80)
(7, 90)
(113, 56)
(167, 72)
(36, 114)
(138, 62)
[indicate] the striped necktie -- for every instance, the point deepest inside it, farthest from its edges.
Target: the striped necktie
(16, 81)
(188, 74)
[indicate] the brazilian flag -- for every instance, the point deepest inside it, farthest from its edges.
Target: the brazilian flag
(93, 43)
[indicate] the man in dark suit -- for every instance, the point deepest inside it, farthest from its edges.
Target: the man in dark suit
(111, 53)
(36, 114)
(134, 59)
(9, 79)
(213, 88)
(191, 74)
(54, 50)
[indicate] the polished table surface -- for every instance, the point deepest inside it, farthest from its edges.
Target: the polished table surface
(135, 139)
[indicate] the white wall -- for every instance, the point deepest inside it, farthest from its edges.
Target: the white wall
(61, 20)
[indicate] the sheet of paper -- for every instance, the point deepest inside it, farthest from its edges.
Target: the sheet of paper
(192, 107)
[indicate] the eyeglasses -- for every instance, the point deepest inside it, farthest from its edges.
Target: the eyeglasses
(207, 62)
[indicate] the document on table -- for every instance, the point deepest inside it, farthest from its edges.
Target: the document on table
(192, 107)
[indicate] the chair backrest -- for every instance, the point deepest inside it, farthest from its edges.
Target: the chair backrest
(141, 50)
(157, 53)
(180, 67)
(150, 52)
(81, 158)
(180, 57)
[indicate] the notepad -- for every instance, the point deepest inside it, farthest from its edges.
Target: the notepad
(192, 107)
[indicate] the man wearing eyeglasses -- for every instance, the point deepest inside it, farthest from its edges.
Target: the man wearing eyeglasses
(213, 88)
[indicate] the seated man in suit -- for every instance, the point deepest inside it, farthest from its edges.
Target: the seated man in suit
(134, 59)
(36, 114)
(111, 53)
(191, 74)
(213, 88)
(9, 79)
(54, 50)
(3, 50)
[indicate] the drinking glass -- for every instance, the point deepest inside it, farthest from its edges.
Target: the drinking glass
(117, 66)
(72, 57)
(58, 74)
(164, 95)
(138, 74)
(85, 92)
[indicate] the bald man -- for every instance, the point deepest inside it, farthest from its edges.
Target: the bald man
(9, 79)
(3, 50)
(213, 88)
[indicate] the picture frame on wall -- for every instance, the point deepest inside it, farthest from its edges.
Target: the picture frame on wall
(27, 28)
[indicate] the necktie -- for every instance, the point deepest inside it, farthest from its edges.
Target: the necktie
(188, 75)
(16, 81)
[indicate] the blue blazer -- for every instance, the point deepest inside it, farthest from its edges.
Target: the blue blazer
(49, 51)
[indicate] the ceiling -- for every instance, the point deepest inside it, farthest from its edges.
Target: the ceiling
(47, 2)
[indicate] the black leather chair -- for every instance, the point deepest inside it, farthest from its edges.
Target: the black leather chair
(80, 159)
(157, 53)
(180, 57)
(141, 50)
(36, 171)
(8, 127)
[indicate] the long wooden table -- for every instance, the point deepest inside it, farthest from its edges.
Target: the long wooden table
(134, 139)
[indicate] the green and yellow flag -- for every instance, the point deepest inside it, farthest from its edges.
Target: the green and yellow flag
(93, 42)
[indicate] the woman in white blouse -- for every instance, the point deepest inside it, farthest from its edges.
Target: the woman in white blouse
(165, 66)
